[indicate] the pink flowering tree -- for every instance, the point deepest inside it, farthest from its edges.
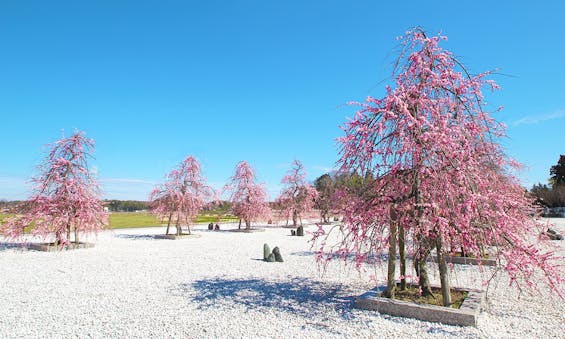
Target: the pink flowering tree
(298, 196)
(440, 179)
(182, 196)
(249, 199)
(65, 201)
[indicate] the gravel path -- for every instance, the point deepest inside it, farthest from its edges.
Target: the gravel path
(132, 285)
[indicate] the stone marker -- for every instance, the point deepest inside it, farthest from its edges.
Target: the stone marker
(277, 253)
(266, 251)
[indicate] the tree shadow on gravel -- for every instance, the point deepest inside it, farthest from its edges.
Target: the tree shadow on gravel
(136, 236)
(5, 246)
(375, 258)
(299, 296)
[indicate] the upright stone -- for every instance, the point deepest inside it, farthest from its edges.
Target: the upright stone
(277, 253)
(266, 251)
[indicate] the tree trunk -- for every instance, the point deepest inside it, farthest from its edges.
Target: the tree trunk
(169, 222)
(421, 241)
(443, 274)
(247, 224)
(402, 252)
(68, 233)
(179, 229)
(324, 217)
(422, 272)
(390, 282)
(239, 226)
(294, 218)
(76, 235)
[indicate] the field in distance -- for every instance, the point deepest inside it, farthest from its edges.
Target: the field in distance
(144, 219)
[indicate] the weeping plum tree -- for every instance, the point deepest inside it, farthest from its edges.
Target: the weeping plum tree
(440, 178)
(182, 196)
(298, 196)
(249, 199)
(65, 199)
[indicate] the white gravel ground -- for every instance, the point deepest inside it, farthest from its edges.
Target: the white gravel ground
(132, 285)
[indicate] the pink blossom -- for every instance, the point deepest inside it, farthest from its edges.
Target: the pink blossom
(65, 197)
(298, 196)
(249, 199)
(182, 196)
(429, 146)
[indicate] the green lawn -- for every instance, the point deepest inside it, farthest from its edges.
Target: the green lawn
(132, 219)
(138, 219)
(4, 216)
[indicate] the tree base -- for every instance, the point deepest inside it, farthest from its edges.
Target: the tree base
(52, 247)
(465, 315)
(251, 230)
(177, 237)
(455, 259)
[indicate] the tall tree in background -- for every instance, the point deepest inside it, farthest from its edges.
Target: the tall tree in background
(298, 196)
(553, 196)
(249, 199)
(557, 172)
(65, 199)
(325, 185)
(182, 196)
(437, 171)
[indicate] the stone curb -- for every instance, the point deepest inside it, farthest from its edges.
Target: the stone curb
(465, 316)
(176, 237)
(45, 247)
(466, 260)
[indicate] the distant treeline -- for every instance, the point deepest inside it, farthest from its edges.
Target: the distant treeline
(126, 205)
(221, 207)
(552, 196)
(9, 206)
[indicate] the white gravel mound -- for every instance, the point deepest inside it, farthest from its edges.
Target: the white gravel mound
(132, 285)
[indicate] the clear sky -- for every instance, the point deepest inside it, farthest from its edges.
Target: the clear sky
(262, 81)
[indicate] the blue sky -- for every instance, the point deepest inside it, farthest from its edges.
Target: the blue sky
(262, 81)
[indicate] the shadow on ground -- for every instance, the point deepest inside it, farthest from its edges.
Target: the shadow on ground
(5, 246)
(136, 236)
(299, 296)
(350, 257)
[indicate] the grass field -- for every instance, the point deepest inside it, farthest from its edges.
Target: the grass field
(140, 219)
(133, 219)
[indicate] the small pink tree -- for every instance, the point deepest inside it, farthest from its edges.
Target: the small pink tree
(65, 197)
(182, 196)
(440, 178)
(298, 196)
(249, 200)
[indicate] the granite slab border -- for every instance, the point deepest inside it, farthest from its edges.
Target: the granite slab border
(176, 237)
(466, 315)
(50, 247)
